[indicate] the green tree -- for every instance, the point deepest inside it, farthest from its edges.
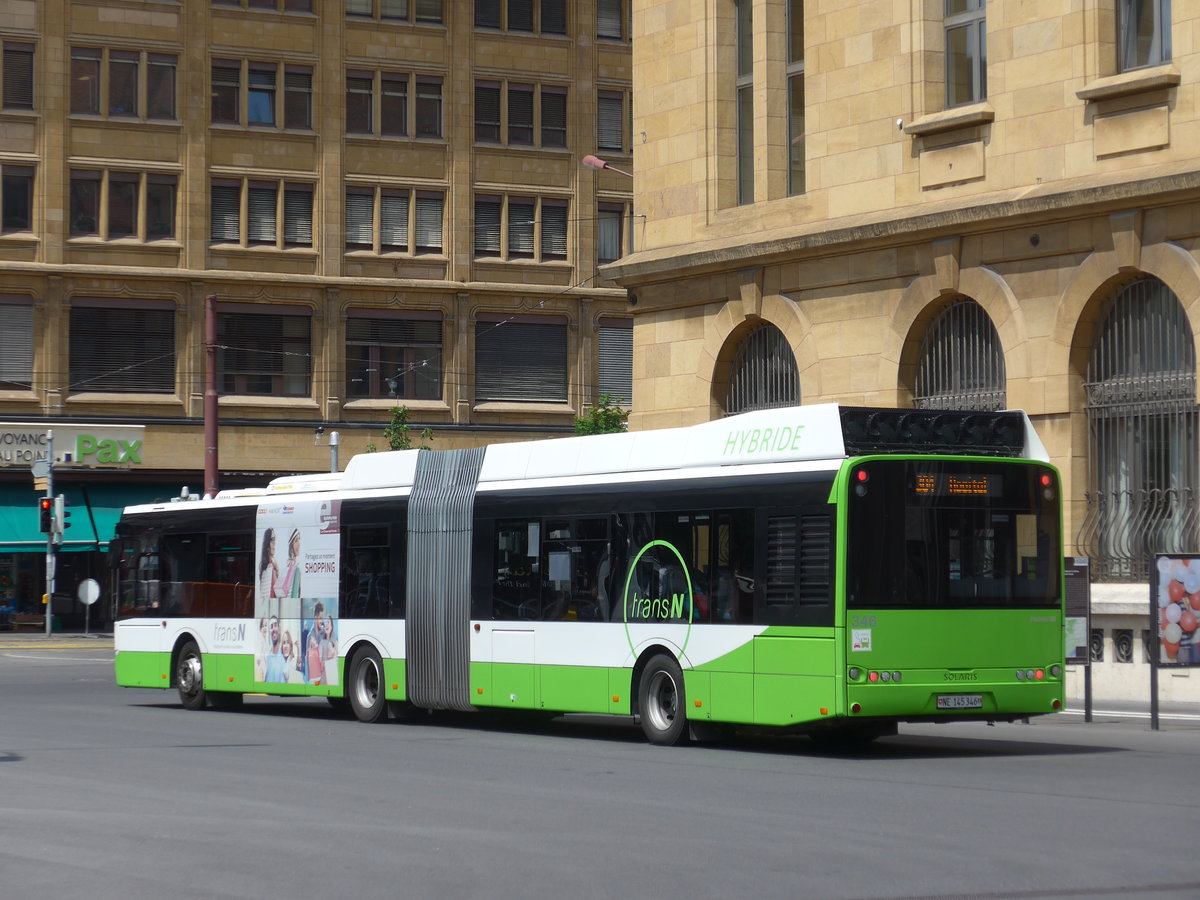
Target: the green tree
(398, 433)
(605, 417)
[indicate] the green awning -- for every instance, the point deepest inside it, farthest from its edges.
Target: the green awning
(19, 521)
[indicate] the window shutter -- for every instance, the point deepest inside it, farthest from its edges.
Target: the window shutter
(554, 17)
(521, 361)
(616, 363)
(393, 9)
(393, 221)
(429, 222)
(226, 209)
(554, 118)
(609, 134)
(297, 214)
(520, 114)
(261, 206)
(393, 104)
(264, 354)
(554, 229)
(520, 15)
(297, 86)
(16, 345)
(487, 13)
(18, 75)
(358, 7)
(360, 210)
(393, 332)
(487, 111)
(608, 19)
(429, 10)
(487, 226)
(520, 226)
(122, 350)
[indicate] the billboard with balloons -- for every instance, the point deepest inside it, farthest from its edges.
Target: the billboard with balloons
(1175, 609)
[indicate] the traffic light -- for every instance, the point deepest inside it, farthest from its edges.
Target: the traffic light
(61, 515)
(46, 515)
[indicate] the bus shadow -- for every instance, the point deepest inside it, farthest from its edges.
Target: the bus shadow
(625, 731)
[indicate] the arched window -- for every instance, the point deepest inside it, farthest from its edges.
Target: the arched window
(764, 373)
(1142, 448)
(961, 365)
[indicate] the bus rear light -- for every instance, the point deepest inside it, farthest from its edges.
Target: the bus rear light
(855, 673)
(885, 676)
(1055, 671)
(873, 677)
(1020, 674)
(862, 475)
(1056, 704)
(896, 677)
(855, 707)
(1039, 675)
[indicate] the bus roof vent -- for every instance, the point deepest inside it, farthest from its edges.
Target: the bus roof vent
(869, 430)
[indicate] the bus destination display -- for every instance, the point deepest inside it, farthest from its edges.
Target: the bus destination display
(951, 484)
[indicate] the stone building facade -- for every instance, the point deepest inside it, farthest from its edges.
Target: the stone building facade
(934, 203)
(384, 196)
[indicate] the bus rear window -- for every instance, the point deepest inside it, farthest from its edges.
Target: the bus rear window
(929, 534)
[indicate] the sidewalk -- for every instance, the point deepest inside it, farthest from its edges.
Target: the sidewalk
(35, 639)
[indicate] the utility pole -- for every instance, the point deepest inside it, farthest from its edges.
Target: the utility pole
(51, 557)
(210, 397)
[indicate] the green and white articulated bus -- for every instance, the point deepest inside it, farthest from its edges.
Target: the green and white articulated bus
(821, 569)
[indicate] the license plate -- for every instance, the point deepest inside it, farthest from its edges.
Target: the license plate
(960, 701)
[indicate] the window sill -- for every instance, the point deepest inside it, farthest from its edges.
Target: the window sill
(396, 256)
(266, 400)
(90, 240)
(540, 407)
(1139, 81)
(79, 118)
(386, 403)
(29, 396)
(121, 397)
(951, 119)
(19, 237)
(263, 248)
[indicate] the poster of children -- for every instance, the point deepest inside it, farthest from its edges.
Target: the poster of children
(1175, 609)
(296, 589)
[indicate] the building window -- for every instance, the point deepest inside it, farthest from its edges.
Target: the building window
(246, 93)
(531, 16)
(122, 346)
(16, 198)
(17, 74)
(745, 101)
(266, 354)
(612, 20)
(505, 113)
(16, 342)
(521, 359)
(112, 205)
(1143, 33)
(615, 356)
(122, 83)
(409, 221)
(399, 356)
(377, 104)
(614, 231)
(612, 117)
(795, 87)
(1143, 451)
(292, 6)
(961, 363)
(764, 373)
(422, 12)
(519, 228)
(966, 52)
(260, 212)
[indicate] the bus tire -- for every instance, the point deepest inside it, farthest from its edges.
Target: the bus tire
(662, 701)
(365, 686)
(189, 677)
(225, 700)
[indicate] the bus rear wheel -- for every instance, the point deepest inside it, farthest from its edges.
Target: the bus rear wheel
(662, 701)
(365, 687)
(189, 677)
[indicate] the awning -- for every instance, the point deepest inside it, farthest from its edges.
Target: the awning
(19, 521)
(94, 511)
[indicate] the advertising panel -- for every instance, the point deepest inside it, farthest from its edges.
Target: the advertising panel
(1175, 609)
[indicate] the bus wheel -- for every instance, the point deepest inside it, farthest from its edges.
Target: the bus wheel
(366, 686)
(661, 701)
(189, 677)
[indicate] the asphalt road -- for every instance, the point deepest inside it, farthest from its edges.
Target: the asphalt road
(107, 793)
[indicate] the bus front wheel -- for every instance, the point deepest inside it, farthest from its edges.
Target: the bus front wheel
(189, 677)
(365, 687)
(662, 702)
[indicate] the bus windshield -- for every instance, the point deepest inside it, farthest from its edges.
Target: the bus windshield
(952, 534)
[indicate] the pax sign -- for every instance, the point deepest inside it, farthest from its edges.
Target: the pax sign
(25, 444)
(89, 448)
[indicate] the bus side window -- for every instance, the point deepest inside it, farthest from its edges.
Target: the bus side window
(516, 570)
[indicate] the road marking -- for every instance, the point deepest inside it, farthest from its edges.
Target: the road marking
(90, 659)
(1134, 714)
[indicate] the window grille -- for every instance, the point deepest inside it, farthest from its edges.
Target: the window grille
(1142, 443)
(764, 373)
(123, 349)
(961, 364)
